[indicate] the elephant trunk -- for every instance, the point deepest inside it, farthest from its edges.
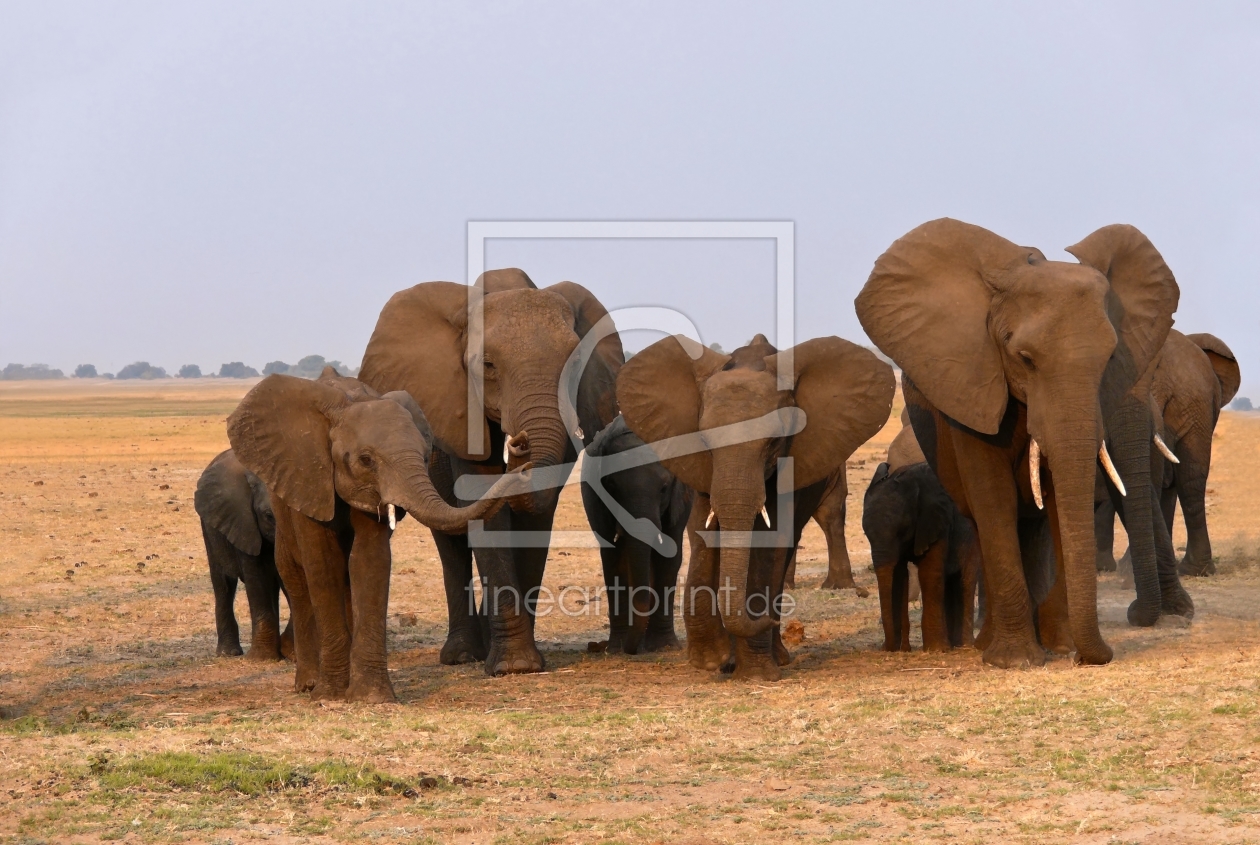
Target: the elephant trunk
(538, 416)
(1073, 455)
(1129, 435)
(407, 484)
(738, 497)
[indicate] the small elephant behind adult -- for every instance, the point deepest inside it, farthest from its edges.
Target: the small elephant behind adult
(909, 518)
(239, 531)
(640, 510)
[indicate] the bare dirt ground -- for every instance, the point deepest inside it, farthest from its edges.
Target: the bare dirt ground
(119, 723)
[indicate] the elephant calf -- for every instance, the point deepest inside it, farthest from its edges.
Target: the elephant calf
(641, 510)
(909, 518)
(239, 531)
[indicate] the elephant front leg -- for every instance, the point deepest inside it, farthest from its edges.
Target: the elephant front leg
(755, 659)
(305, 630)
(262, 588)
(512, 649)
(464, 641)
(370, 564)
(229, 633)
(708, 644)
(831, 516)
(931, 571)
(616, 587)
(324, 566)
(894, 605)
(660, 632)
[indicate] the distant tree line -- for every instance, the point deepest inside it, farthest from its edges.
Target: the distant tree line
(21, 372)
(309, 367)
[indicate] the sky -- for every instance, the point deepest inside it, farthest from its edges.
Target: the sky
(211, 182)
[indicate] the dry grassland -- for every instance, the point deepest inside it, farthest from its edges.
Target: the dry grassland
(119, 723)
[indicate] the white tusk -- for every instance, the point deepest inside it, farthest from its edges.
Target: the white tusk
(1111, 469)
(660, 539)
(505, 450)
(393, 520)
(1163, 448)
(577, 432)
(1034, 473)
(708, 523)
(765, 515)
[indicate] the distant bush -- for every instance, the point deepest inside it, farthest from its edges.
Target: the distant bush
(141, 369)
(20, 372)
(275, 367)
(237, 370)
(190, 371)
(312, 365)
(1242, 403)
(85, 371)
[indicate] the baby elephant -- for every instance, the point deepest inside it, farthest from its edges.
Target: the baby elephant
(909, 518)
(239, 531)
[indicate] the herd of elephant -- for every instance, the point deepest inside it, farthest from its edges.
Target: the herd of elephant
(1042, 398)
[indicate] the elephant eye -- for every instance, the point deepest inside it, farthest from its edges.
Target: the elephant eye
(488, 367)
(365, 459)
(1027, 359)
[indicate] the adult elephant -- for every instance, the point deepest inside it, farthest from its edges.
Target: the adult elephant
(426, 343)
(722, 426)
(833, 508)
(1193, 378)
(1011, 361)
(339, 459)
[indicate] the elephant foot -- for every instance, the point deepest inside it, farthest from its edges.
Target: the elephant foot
(514, 659)
(1189, 566)
(1014, 654)
(1098, 655)
(1175, 601)
(707, 654)
(326, 690)
(1105, 562)
(372, 691)
(782, 656)
(462, 647)
(305, 679)
(762, 668)
(664, 640)
(228, 650)
(835, 582)
(1140, 616)
(287, 649)
(264, 653)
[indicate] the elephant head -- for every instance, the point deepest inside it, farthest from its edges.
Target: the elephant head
(312, 442)
(677, 387)
(975, 320)
(426, 342)
(234, 502)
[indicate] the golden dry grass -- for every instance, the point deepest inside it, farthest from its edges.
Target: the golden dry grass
(120, 723)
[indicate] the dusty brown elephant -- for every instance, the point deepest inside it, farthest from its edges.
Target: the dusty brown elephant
(339, 459)
(541, 403)
(732, 423)
(1010, 362)
(832, 510)
(1194, 377)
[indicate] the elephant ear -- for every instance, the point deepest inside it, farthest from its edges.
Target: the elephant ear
(597, 389)
(1223, 363)
(1143, 294)
(934, 518)
(418, 346)
(659, 394)
(846, 393)
(280, 432)
(926, 306)
(225, 502)
(403, 398)
(509, 278)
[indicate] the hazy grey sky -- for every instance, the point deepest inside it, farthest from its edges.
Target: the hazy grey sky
(199, 183)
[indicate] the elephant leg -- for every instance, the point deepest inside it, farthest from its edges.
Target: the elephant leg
(931, 569)
(616, 587)
(831, 516)
(755, 659)
(324, 564)
(1173, 596)
(512, 650)
(369, 570)
(301, 608)
(708, 644)
(464, 640)
(1192, 493)
(660, 631)
(1105, 535)
(894, 615)
(1168, 506)
(969, 561)
(262, 588)
(229, 633)
(992, 497)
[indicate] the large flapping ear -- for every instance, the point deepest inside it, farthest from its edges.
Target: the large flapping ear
(225, 501)
(846, 393)
(597, 391)
(1223, 363)
(1143, 295)
(926, 306)
(418, 346)
(280, 432)
(509, 278)
(403, 398)
(659, 393)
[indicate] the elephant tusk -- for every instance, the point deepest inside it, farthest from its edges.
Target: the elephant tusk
(578, 433)
(1034, 473)
(1111, 469)
(660, 539)
(708, 523)
(393, 520)
(1165, 451)
(505, 450)
(765, 515)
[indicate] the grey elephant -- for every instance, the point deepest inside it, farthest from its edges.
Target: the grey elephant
(239, 532)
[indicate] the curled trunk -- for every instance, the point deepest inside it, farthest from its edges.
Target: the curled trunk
(538, 414)
(411, 488)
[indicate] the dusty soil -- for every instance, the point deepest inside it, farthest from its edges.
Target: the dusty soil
(119, 722)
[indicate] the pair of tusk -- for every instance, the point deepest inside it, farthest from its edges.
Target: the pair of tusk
(393, 519)
(1034, 471)
(1165, 451)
